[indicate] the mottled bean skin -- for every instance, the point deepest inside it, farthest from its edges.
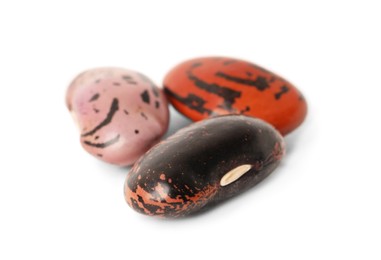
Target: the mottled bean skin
(120, 113)
(182, 174)
(208, 86)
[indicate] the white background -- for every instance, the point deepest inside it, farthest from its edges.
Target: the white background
(323, 202)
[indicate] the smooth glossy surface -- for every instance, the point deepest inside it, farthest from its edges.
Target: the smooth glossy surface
(183, 174)
(209, 86)
(119, 112)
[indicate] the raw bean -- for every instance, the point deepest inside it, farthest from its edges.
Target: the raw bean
(120, 113)
(202, 164)
(209, 86)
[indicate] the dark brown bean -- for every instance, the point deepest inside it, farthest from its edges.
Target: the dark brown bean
(204, 163)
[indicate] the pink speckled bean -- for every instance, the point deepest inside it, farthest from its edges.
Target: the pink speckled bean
(120, 113)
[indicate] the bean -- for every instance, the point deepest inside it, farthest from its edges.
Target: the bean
(119, 112)
(203, 164)
(208, 86)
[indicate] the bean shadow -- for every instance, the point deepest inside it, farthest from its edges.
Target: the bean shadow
(177, 121)
(292, 141)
